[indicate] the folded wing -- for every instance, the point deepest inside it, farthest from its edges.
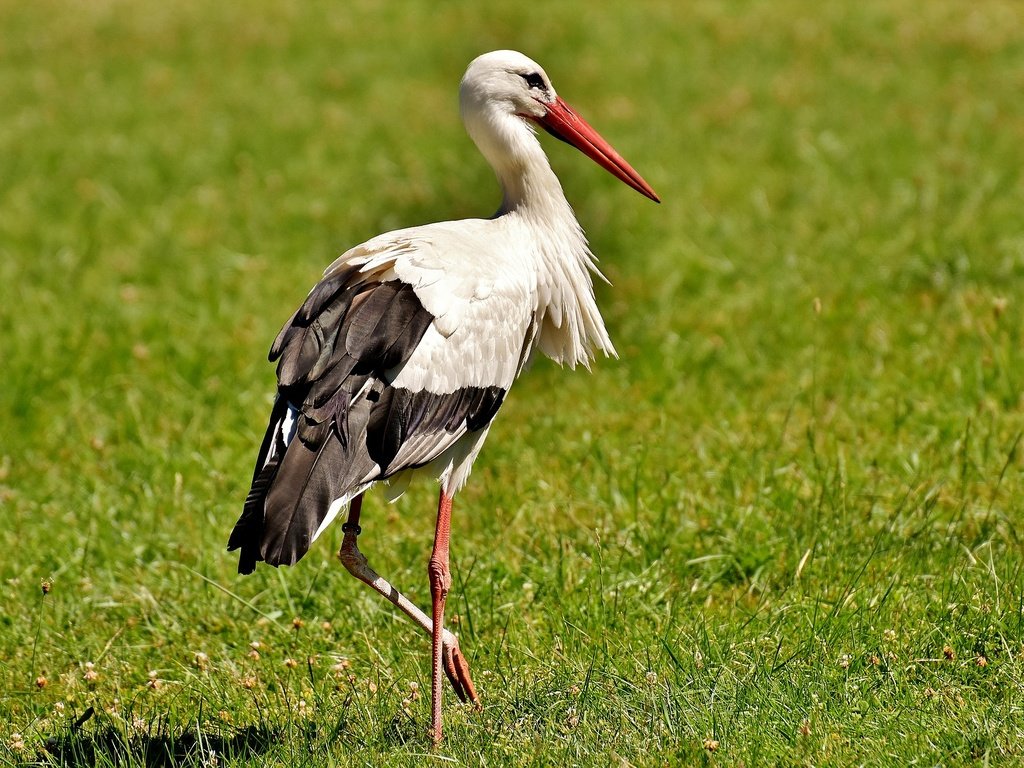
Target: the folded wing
(341, 422)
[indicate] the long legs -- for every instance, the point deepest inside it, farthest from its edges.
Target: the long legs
(451, 658)
(440, 583)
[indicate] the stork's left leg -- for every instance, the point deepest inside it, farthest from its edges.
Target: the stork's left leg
(455, 665)
(440, 583)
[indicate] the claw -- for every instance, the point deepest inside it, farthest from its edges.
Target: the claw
(457, 670)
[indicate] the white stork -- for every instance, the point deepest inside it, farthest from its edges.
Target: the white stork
(402, 354)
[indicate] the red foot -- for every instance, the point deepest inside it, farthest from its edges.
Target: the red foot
(457, 669)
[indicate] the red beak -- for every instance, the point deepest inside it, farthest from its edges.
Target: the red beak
(562, 122)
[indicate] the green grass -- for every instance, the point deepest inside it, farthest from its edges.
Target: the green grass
(784, 528)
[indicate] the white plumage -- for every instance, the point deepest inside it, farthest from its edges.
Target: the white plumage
(402, 354)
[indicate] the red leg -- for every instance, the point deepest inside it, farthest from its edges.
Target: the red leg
(455, 665)
(440, 583)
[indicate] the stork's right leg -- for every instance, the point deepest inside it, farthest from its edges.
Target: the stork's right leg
(455, 665)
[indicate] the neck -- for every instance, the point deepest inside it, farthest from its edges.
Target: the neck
(569, 323)
(528, 185)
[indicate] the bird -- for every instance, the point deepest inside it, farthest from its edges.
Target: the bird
(400, 357)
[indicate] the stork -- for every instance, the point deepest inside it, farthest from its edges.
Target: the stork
(400, 357)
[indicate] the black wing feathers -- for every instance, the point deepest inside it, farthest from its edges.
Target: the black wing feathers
(332, 357)
(308, 339)
(313, 473)
(399, 414)
(386, 327)
(249, 529)
(385, 428)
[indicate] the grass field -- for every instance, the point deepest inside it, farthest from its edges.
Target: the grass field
(784, 528)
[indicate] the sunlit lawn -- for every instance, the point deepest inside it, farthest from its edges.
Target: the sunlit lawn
(784, 527)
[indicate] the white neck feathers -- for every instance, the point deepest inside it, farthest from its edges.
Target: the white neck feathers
(569, 325)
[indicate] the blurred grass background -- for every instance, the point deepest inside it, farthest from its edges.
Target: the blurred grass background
(784, 528)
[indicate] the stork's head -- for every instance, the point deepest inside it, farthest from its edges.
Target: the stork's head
(506, 85)
(507, 81)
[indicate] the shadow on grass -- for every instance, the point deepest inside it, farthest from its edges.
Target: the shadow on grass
(158, 748)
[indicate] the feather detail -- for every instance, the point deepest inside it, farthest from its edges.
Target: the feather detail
(351, 423)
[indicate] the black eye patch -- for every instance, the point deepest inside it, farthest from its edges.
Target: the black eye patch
(534, 80)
